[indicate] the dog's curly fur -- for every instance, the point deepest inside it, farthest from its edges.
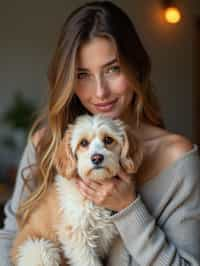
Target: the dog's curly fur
(65, 228)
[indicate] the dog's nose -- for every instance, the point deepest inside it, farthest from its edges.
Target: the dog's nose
(97, 158)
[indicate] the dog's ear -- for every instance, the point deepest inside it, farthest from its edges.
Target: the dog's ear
(64, 161)
(131, 154)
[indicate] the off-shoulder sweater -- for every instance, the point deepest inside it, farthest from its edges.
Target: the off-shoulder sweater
(161, 227)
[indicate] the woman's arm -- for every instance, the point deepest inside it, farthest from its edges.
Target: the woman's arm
(8, 232)
(170, 235)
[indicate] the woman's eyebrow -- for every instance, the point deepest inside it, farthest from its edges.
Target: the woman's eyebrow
(105, 65)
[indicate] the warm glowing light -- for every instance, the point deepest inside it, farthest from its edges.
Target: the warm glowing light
(172, 15)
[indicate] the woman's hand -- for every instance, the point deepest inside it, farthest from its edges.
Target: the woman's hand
(114, 194)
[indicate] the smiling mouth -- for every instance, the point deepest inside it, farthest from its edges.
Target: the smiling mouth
(105, 106)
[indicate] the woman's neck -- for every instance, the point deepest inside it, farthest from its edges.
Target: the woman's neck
(129, 118)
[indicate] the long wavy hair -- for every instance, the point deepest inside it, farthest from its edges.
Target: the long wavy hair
(93, 19)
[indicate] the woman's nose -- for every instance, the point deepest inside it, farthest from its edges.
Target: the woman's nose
(102, 89)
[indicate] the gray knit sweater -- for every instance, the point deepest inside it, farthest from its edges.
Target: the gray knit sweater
(161, 227)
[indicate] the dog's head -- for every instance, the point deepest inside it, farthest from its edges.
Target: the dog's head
(95, 147)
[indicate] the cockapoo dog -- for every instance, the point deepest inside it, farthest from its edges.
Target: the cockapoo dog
(65, 228)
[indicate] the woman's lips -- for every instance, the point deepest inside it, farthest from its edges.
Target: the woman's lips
(105, 107)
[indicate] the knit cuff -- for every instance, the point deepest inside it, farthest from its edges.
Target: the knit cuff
(135, 215)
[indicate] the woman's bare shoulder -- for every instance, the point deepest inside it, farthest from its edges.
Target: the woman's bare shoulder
(172, 148)
(163, 152)
(165, 144)
(175, 146)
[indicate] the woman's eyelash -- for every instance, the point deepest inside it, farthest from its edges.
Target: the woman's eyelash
(115, 68)
(82, 75)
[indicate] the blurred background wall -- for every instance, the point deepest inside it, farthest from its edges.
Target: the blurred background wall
(28, 34)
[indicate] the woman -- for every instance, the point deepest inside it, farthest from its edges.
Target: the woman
(100, 66)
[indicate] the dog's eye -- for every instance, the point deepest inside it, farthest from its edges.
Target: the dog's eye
(84, 143)
(108, 140)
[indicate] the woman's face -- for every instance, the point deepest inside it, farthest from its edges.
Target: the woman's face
(101, 85)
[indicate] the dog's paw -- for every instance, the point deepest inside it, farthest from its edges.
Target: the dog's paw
(38, 252)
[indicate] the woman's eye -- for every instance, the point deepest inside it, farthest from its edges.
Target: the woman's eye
(84, 143)
(108, 140)
(82, 75)
(113, 69)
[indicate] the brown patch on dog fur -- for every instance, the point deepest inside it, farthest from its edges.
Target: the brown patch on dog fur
(64, 159)
(131, 155)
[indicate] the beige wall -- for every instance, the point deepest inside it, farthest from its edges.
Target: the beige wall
(28, 34)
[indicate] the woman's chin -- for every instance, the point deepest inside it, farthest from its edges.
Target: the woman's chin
(111, 114)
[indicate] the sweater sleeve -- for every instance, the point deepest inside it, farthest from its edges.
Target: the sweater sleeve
(8, 232)
(171, 235)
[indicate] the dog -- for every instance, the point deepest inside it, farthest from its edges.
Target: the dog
(65, 228)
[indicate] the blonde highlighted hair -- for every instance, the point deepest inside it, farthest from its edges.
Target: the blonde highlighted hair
(93, 19)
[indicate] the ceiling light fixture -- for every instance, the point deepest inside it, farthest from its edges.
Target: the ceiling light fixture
(171, 12)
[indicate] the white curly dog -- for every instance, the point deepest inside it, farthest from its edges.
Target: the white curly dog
(64, 228)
